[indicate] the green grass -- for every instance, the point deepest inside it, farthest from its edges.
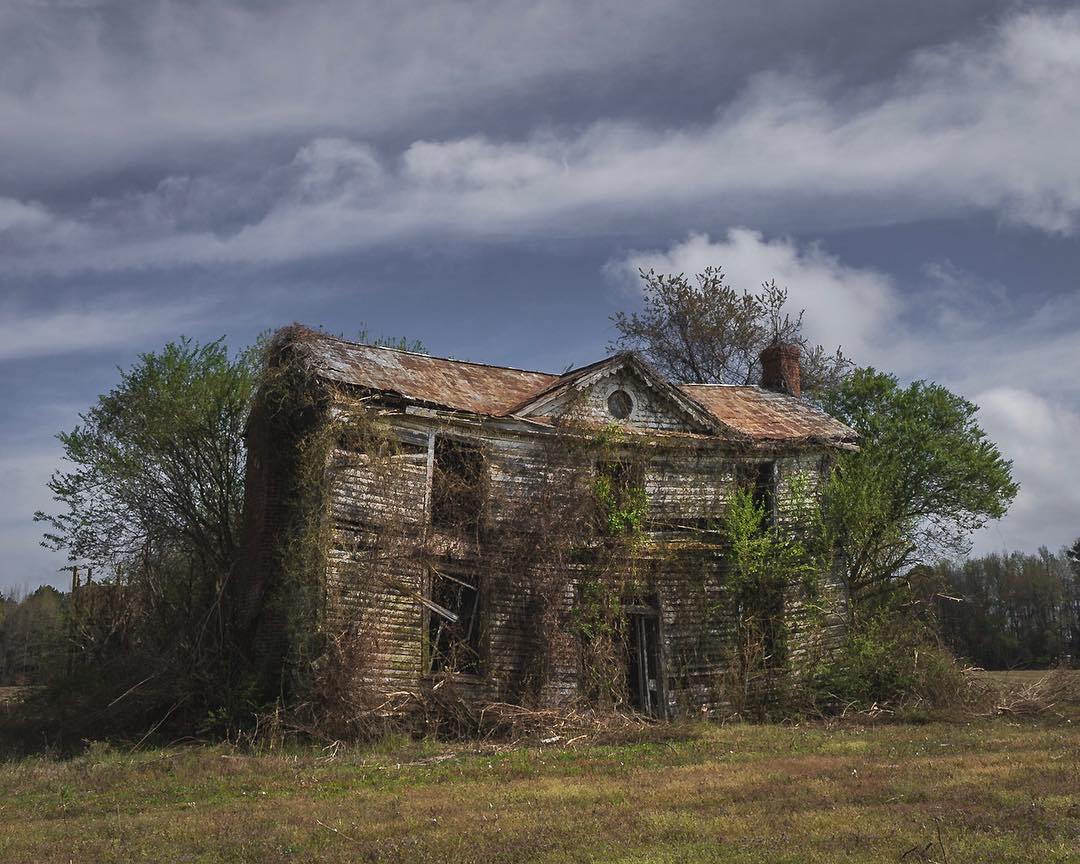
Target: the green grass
(991, 790)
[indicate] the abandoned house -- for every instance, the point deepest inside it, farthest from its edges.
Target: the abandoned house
(531, 538)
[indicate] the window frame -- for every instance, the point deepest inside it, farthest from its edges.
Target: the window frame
(437, 624)
(460, 509)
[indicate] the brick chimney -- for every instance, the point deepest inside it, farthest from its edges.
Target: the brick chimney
(780, 368)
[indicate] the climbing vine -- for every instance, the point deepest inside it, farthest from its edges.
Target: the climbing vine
(767, 562)
(593, 534)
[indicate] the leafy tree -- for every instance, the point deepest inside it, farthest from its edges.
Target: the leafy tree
(1006, 611)
(32, 640)
(706, 332)
(154, 497)
(925, 477)
(158, 462)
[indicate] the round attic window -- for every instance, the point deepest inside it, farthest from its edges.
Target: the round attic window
(620, 404)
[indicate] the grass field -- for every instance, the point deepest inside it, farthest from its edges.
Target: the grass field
(989, 790)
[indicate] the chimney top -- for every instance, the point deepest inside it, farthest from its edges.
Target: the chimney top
(780, 368)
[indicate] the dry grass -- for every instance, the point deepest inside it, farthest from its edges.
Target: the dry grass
(1029, 692)
(12, 695)
(992, 790)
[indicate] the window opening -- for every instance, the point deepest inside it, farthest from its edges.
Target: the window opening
(620, 404)
(619, 486)
(759, 478)
(453, 623)
(457, 485)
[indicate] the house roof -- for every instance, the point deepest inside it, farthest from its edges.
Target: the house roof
(455, 384)
(500, 391)
(765, 415)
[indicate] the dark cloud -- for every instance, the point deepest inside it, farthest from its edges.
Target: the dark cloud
(483, 175)
(97, 88)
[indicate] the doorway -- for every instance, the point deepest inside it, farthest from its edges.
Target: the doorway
(643, 667)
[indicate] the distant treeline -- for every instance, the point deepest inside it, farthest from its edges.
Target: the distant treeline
(33, 645)
(1012, 611)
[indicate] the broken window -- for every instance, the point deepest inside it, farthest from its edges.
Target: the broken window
(457, 485)
(759, 478)
(623, 475)
(622, 503)
(453, 623)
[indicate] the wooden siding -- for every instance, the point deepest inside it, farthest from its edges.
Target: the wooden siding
(382, 548)
(651, 409)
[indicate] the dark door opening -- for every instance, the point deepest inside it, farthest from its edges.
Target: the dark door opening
(643, 667)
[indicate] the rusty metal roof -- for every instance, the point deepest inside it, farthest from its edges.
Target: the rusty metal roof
(454, 384)
(765, 415)
(498, 391)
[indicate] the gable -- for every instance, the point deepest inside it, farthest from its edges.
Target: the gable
(620, 390)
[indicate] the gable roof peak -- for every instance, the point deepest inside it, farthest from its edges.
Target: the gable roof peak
(578, 380)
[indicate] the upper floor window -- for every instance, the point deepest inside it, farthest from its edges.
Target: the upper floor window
(759, 478)
(622, 502)
(458, 485)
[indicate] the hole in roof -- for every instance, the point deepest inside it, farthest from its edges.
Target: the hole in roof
(620, 404)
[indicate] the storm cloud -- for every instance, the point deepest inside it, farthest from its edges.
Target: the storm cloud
(488, 177)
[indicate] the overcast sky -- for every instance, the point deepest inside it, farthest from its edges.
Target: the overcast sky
(487, 177)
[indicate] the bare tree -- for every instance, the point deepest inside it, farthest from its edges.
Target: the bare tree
(705, 332)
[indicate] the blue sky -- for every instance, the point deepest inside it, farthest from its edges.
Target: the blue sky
(487, 178)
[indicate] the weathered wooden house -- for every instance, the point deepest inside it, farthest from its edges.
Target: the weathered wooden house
(531, 537)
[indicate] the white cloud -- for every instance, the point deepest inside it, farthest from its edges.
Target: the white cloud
(16, 214)
(844, 305)
(987, 124)
(1042, 437)
(88, 90)
(102, 322)
(973, 335)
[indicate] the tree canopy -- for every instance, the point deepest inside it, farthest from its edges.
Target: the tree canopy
(1008, 611)
(925, 477)
(158, 462)
(705, 332)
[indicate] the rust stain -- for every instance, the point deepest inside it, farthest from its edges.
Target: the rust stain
(496, 391)
(764, 414)
(454, 384)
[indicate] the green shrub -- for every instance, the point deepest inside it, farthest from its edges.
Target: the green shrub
(889, 659)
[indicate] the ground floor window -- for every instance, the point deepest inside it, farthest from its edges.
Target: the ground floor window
(453, 610)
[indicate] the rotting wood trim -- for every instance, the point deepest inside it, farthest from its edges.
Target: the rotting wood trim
(428, 479)
(452, 617)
